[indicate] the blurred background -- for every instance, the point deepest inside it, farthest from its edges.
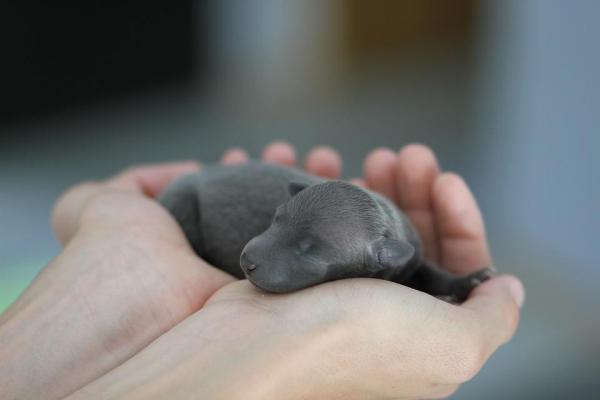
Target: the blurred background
(506, 92)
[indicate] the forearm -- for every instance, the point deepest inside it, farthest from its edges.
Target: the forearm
(65, 331)
(45, 352)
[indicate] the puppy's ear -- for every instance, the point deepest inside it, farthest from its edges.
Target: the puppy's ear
(296, 187)
(390, 253)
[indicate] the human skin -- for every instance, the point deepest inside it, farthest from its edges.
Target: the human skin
(127, 276)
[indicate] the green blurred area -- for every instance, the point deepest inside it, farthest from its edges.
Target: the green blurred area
(15, 278)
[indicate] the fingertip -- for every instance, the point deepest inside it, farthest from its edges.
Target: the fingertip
(517, 290)
(417, 152)
(359, 182)
(495, 306)
(508, 284)
(379, 170)
(380, 155)
(456, 208)
(280, 152)
(234, 156)
(324, 161)
(417, 168)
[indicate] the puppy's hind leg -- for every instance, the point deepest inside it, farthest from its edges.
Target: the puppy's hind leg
(181, 200)
(446, 286)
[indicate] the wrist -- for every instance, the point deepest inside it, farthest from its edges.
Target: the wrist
(37, 351)
(56, 339)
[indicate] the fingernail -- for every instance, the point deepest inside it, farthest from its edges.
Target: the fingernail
(515, 287)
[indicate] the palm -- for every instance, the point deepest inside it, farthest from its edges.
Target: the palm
(449, 222)
(148, 252)
(342, 316)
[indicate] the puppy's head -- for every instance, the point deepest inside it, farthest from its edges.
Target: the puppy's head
(324, 232)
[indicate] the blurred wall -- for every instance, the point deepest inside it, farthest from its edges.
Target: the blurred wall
(289, 70)
(57, 55)
(536, 122)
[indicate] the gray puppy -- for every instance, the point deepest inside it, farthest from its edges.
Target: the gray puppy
(285, 230)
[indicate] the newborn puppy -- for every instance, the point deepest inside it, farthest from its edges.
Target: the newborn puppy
(285, 230)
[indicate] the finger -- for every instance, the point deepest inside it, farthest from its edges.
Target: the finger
(234, 156)
(495, 306)
(461, 233)
(359, 182)
(380, 172)
(416, 170)
(280, 153)
(151, 179)
(325, 162)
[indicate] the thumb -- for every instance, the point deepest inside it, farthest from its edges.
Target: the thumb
(496, 304)
(148, 180)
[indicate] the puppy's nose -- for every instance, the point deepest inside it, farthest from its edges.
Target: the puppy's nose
(246, 264)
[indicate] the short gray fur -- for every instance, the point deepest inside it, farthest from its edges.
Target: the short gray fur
(285, 230)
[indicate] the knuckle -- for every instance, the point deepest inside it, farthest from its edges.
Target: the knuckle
(104, 202)
(77, 190)
(131, 214)
(70, 196)
(66, 209)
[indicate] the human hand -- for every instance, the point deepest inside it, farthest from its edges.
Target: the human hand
(351, 339)
(126, 275)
